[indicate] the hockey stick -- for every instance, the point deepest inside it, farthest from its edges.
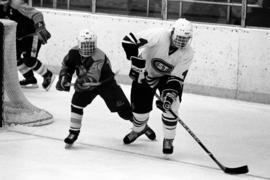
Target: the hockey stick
(236, 170)
(28, 35)
(99, 83)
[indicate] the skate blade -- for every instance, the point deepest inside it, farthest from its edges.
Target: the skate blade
(68, 146)
(167, 156)
(52, 80)
(30, 86)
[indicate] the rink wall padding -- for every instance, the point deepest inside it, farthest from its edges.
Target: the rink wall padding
(230, 61)
(1, 72)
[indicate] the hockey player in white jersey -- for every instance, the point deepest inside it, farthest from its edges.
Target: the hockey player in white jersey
(160, 60)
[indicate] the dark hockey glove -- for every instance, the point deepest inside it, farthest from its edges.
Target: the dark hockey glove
(130, 45)
(167, 99)
(136, 72)
(63, 84)
(41, 31)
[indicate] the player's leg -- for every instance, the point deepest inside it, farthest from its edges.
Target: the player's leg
(141, 100)
(29, 57)
(29, 80)
(169, 128)
(116, 100)
(139, 128)
(169, 122)
(78, 103)
(39, 67)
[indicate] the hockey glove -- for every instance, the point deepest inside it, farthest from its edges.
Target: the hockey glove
(84, 83)
(136, 72)
(130, 45)
(41, 31)
(167, 99)
(63, 83)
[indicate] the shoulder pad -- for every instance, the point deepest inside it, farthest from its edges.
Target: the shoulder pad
(74, 54)
(74, 50)
(98, 55)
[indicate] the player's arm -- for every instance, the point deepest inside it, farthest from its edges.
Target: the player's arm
(65, 75)
(173, 88)
(106, 72)
(131, 45)
(174, 85)
(35, 15)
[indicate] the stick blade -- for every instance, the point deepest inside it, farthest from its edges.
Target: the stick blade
(237, 170)
(68, 146)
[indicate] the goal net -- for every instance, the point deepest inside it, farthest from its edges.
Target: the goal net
(15, 108)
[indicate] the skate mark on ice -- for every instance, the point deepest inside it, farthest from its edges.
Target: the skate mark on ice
(149, 156)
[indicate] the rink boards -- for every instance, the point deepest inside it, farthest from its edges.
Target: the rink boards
(230, 61)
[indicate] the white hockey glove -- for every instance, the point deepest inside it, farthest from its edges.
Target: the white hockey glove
(168, 97)
(137, 69)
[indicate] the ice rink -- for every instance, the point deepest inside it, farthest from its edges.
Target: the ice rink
(236, 132)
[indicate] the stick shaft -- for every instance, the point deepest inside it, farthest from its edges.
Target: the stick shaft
(238, 170)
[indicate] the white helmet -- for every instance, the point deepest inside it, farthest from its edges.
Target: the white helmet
(182, 33)
(87, 42)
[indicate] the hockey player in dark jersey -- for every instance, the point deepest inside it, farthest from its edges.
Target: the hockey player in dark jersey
(160, 60)
(94, 77)
(31, 34)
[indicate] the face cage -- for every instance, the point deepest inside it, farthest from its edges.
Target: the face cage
(87, 48)
(181, 41)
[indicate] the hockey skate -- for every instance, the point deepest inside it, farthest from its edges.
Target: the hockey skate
(167, 146)
(29, 83)
(72, 137)
(132, 136)
(48, 80)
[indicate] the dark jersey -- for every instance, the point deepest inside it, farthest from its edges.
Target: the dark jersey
(24, 15)
(2, 11)
(97, 67)
(25, 25)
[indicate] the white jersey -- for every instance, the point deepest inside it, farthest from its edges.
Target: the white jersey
(157, 50)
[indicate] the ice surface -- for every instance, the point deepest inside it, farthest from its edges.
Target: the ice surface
(236, 132)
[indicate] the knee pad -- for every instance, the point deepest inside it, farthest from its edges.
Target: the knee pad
(141, 117)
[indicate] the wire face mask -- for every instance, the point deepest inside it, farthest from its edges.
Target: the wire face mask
(181, 41)
(87, 43)
(182, 33)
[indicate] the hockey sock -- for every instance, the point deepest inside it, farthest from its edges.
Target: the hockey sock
(40, 68)
(24, 69)
(139, 121)
(29, 74)
(169, 125)
(76, 117)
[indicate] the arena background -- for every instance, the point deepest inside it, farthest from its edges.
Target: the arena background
(230, 61)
